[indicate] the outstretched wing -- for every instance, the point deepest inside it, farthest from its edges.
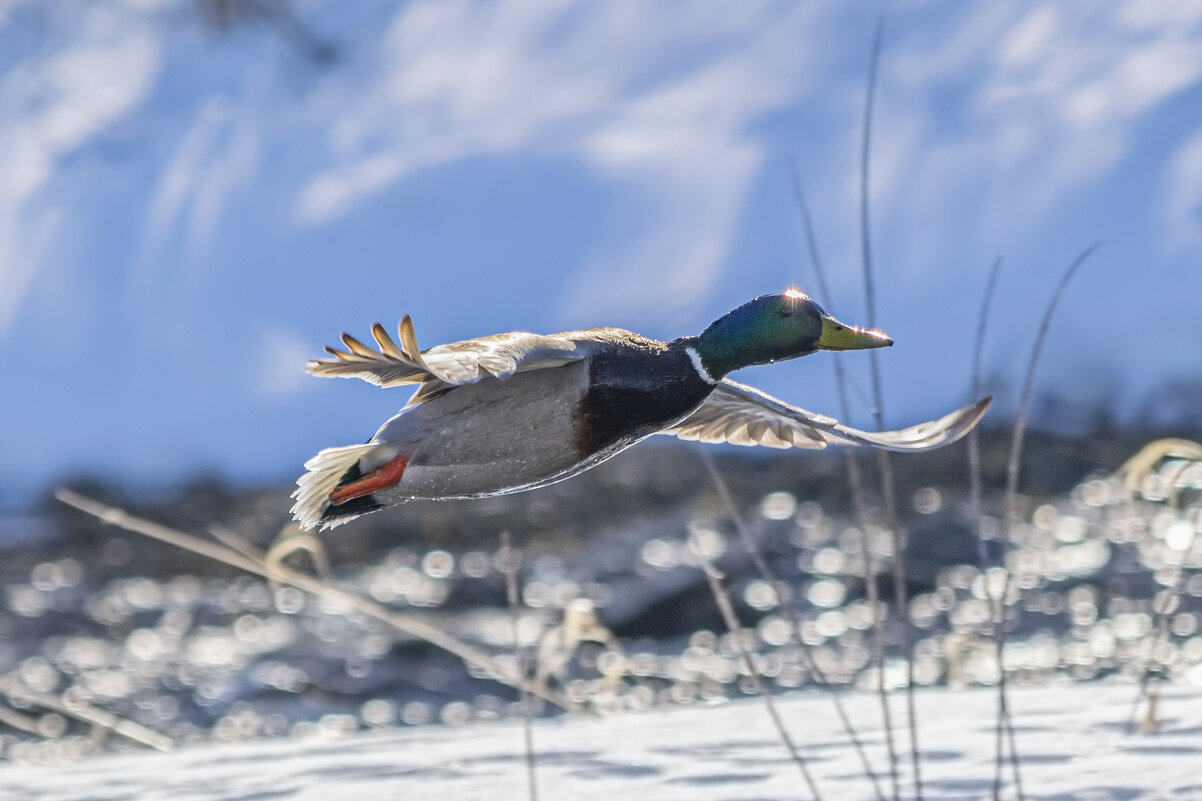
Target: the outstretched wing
(742, 415)
(445, 366)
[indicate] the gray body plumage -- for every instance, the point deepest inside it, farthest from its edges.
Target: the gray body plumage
(490, 437)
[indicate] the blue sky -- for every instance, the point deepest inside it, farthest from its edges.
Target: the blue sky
(187, 216)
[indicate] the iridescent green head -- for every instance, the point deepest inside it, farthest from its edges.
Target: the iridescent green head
(772, 328)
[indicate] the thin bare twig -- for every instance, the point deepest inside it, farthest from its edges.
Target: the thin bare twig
(1134, 470)
(859, 497)
(17, 720)
(884, 464)
(1012, 469)
(973, 440)
(865, 174)
(509, 563)
(714, 579)
(253, 562)
(1152, 670)
(782, 596)
(1005, 723)
(89, 714)
(1024, 400)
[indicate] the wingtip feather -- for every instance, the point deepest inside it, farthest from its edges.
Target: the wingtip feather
(387, 346)
(358, 348)
(409, 340)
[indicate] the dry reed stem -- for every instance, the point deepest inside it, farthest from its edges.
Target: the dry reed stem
(714, 578)
(16, 720)
(1012, 469)
(783, 593)
(884, 465)
(859, 497)
(91, 715)
(1133, 471)
(973, 440)
(510, 562)
(1005, 722)
(1160, 625)
(253, 562)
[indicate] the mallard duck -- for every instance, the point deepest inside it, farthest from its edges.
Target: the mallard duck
(518, 411)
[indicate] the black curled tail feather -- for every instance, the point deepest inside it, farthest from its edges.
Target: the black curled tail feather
(336, 514)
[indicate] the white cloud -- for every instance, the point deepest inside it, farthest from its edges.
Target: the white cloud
(1182, 209)
(336, 190)
(661, 113)
(980, 147)
(1159, 15)
(50, 106)
(1026, 42)
(177, 182)
(219, 152)
(275, 364)
(664, 272)
(990, 116)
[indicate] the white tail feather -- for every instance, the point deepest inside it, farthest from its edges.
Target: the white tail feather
(325, 470)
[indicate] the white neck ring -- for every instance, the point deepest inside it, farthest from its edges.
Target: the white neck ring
(695, 358)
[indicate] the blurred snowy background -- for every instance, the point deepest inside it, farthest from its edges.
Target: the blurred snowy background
(196, 196)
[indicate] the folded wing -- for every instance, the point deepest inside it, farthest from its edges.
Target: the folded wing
(742, 415)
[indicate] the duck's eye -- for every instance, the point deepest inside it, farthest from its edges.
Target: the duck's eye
(785, 312)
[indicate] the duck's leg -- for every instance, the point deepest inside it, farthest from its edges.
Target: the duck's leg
(383, 477)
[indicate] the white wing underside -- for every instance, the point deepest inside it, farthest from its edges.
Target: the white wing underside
(454, 364)
(741, 415)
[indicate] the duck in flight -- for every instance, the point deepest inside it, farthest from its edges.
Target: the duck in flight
(518, 411)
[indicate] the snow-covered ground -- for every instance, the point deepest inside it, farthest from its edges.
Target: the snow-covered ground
(1071, 739)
